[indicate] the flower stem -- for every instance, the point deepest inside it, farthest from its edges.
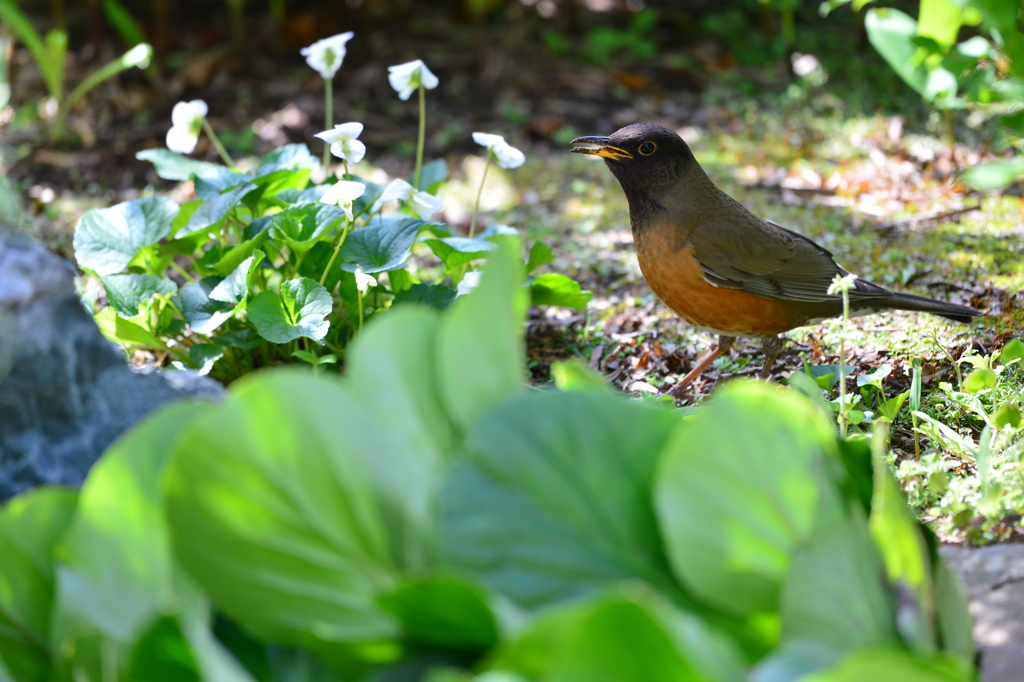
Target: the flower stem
(183, 272)
(479, 192)
(359, 296)
(423, 135)
(334, 256)
(344, 164)
(842, 364)
(328, 116)
(208, 129)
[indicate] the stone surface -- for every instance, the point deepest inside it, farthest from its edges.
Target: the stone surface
(994, 576)
(65, 392)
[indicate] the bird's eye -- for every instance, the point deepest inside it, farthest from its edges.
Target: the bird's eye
(647, 148)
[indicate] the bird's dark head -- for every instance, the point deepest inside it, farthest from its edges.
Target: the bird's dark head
(642, 156)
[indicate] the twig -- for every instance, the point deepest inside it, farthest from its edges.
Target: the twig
(917, 219)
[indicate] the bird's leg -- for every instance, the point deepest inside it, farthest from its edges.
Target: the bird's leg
(771, 345)
(724, 344)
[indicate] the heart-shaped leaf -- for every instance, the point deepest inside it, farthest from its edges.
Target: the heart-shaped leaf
(299, 310)
(382, 245)
(203, 313)
(434, 295)
(235, 287)
(126, 292)
(301, 226)
(107, 239)
(457, 251)
(213, 211)
(214, 185)
(290, 156)
(557, 289)
(172, 166)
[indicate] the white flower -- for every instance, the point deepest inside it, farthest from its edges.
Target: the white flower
(325, 56)
(405, 78)
(505, 155)
(469, 282)
(342, 194)
(423, 203)
(364, 281)
(343, 141)
(841, 284)
(186, 122)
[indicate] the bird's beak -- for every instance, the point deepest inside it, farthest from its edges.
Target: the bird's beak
(604, 149)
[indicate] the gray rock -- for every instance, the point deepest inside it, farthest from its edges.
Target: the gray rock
(994, 576)
(66, 392)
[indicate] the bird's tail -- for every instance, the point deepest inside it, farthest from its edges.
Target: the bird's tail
(951, 311)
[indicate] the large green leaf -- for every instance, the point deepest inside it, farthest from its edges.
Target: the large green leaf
(301, 309)
(290, 156)
(380, 246)
(555, 500)
(212, 186)
(891, 32)
(172, 166)
(203, 314)
(742, 484)
(115, 572)
(457, 251)
(107, 239)
(125, 293)
(235, 287)
(893, 665)
(835, 592)
(213, 210)
(443, 612)
(301, 226)
(296, 511)
(30, 526)
(940, 21)
(480, 348)
(994, 174)
(625, 636)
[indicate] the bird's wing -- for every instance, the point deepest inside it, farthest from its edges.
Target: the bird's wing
(768, 260)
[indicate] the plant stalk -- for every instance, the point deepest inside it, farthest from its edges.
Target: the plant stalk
(208, 129)
(328, 117)
(422, 137)
(842, 364)
(479, 193)
(334, 256)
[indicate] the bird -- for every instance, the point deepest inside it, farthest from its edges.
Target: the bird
(717, 265)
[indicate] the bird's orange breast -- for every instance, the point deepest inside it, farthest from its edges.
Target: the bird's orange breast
(676, 278)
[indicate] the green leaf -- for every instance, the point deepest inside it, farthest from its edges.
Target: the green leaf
(626, 636)
(443, 612)
(731, 532)
(557, 289)
(119, 330)
(891, 32)
(480, 347)
(310, 195)
(893, 665)
(204, 356)
(455, 252)
(980, 380)
(436, 296)
(301, 226)
(203, 314)
(126, 292)
(107, 239)
(213, 210)
(300, 309)
(576, 375)
(115, 571)
(172, 166)
(555, 499)
(540, 255)
(898, 536)
(234, 257)
(940, 20)
(212, 186)
(834, 592)
(874, 377)
(995, 174)
(1013, 350)
(235, 287)
(380, 246)
(296, 511)
(124, 23)
(270, 185)
(30, 526)
(1008, 414)
(290, 156)
(827, 376)
(891, 407)
(432, 175)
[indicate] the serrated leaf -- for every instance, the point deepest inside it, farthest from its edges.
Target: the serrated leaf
(384, 244)
(557, 289)
(215, 184)
(290, 156)
(299, 310)
(204, 356)
(203, 313)
(126, 292)
(171, 166)
(235, 287)
(213, 211)
(301, 226)
(432, 175)
(107, 239)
